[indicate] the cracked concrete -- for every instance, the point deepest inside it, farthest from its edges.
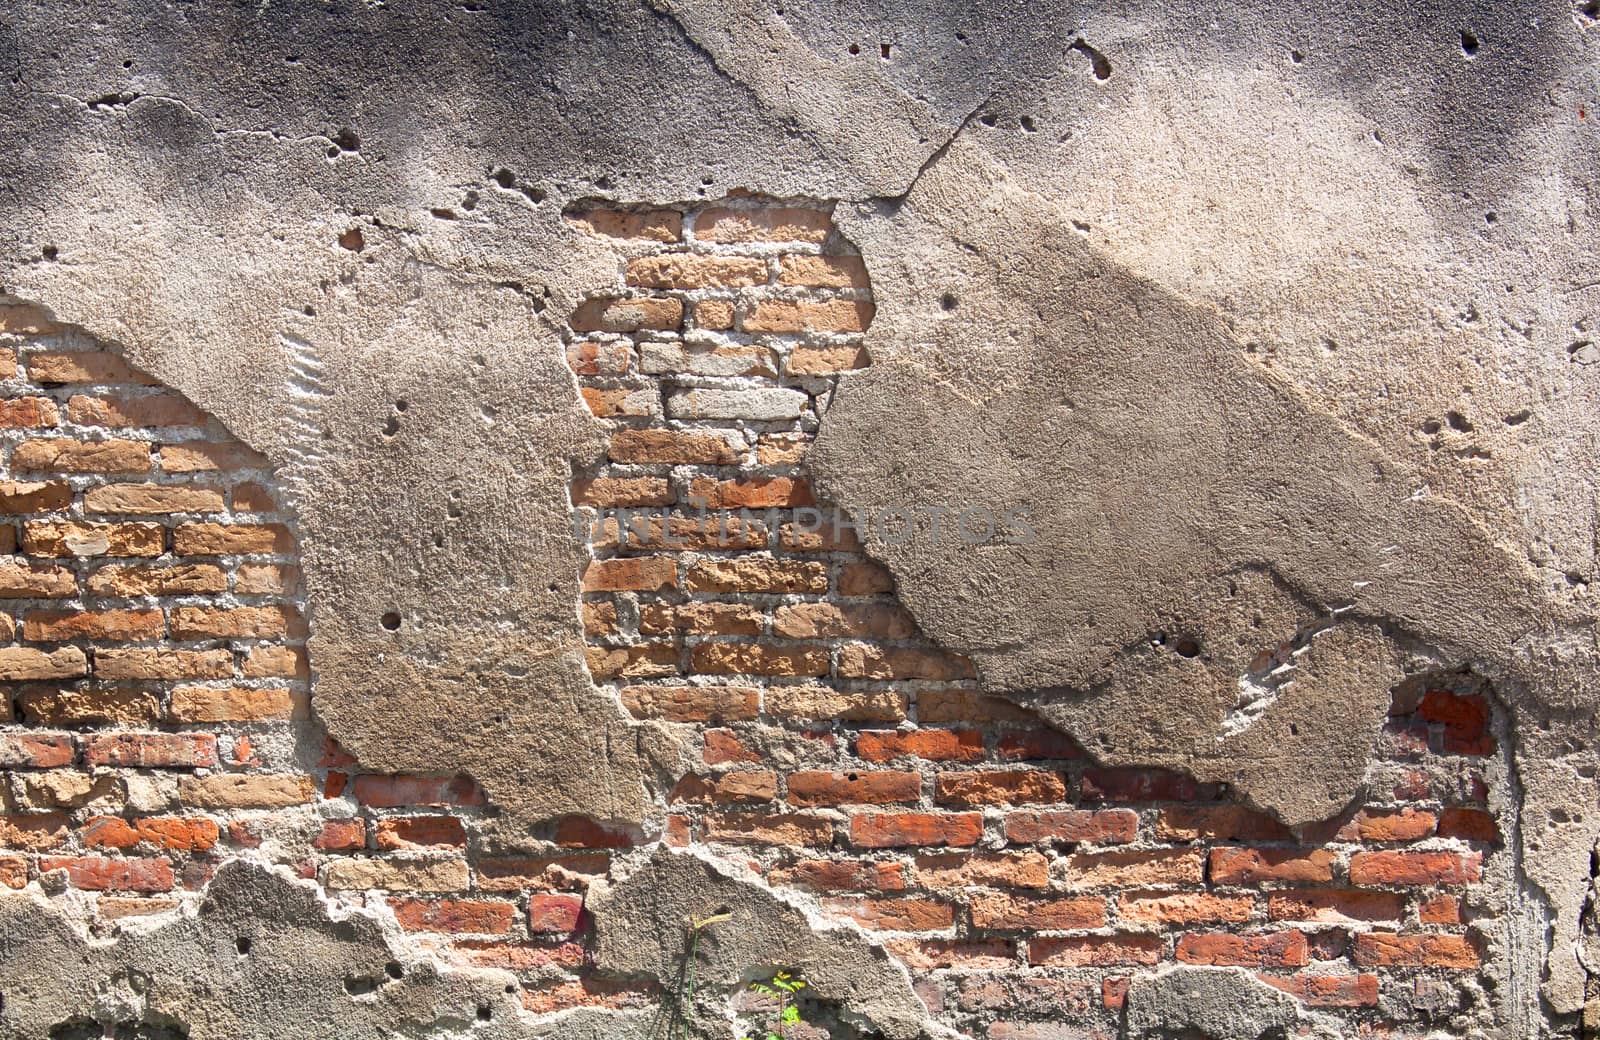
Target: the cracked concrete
(1368, 395)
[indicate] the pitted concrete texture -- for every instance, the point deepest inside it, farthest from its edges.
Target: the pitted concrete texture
(1213, 1004)
(1298, 296)
(641, 929)
(260, 956)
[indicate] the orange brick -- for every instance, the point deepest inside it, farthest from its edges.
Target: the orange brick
(718, 619)
(1440, 909)
(76, 538)
(1183, 908)
(1405, 824)
(823, 272)
(1017, 913)
(1094, 951)
(139, 580)
(606, 402)
(614, 492)
(937, 745)
(1093, 827)
(692, 703)
(341, 836)
(672, 446)
(158, 409)
(25, 663)
(231, 539)
(826, 360)
(28, 413)
(660, 225)
(120, 875)
(740, 785)
(1468, 825)
(588, 358)
(855, 788)
(145, 499)
(889, 830)
(1218, 823)
(234, 622)
(714, 314)
(631, 314)
(865, 579)
(637, 574)
(33, 832)
(548, 872)
(152, 750)
(638, 661)
(805, 703)
(74, 366)
(13, 872)
(1249, 866)
(774, 315)
(191, 704)
(109, 625)
(36, 581)
(1274, 950)
(756, 659)
(265, 662)
(420, 832)
(756, 574)
(56, 455)
(198, 457)
(34, 496)
(696, 271)
(768, 224)
(751, 493)
(246, 791)
(1415, 868)
(1385, 950)
(829, 620)
(999, 787)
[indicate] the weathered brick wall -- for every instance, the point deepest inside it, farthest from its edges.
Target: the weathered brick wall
(155, 718)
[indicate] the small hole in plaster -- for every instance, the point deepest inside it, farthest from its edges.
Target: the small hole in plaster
(438, 541)
(855, 48)
(1099, 64)
(353, 240)
(1294, 730)
(242, 944)
(1469, 43)
(346, 140)
(1491, 217)
(394, 970)
(1028, 125)
(883, 51)
(359, 985)
(485, 1012)
(1590, 10)
(510, 988)
(988, 119)
(1187, 647)
(1431, 427)
(390, 621)
(401, 405)
(49, 252)
(1297, 57)
(948, 301)
(391, 426)
(1517, 418)
(1458, 422)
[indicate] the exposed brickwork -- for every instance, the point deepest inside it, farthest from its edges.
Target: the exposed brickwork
(154, 718)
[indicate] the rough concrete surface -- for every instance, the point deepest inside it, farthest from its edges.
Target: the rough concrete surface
(1298, 298)
(1213, 1003)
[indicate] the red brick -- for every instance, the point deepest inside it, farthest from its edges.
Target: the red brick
(999, 787)
(826, 875)
(404, 789)
(275, 622)
(619, 492)
(1093, 827)
(119, 875)
(1273, 950)
(13, 872)
(1143, 785)
(110, 625)
(1328, 990)
(548, 913)
(53, 455)
(231, 539)
(1441, 909)
(1017, 913)
(751, 493)
(179, 833)
(966, 954)
(859, 788)
(1415, 868)
(480, 916)
(1335, 906)
(36, 750)
(1037, 745)
(78, 538)
(888, 830)
(826, 272)
(1125, 869)
(341, 836)
(631, 314)
(600, 359)
(152, 750)
(581, 832)
(719, 619)
(1183, 908)
(676, 447)
(960, 870)
(636, 661)
(158, 409)
(1094, 951)
(692, 703)
(1465, 718)
(740, 785)
(1250, 866)
(1218, 823)
(419, 832)
(1406, 824)
(1468, 825)
(937, 745)
(695, 271)
(634, 574)
(82, 366)
(896, 915)
(723, 746)
(27, 413)
(864, 661)
(34, 497)
(1385, 950)
(721, 658)
(757, 574)
(565, 872)
(777, 315)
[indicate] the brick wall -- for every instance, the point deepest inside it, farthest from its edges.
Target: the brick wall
(154, 719)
